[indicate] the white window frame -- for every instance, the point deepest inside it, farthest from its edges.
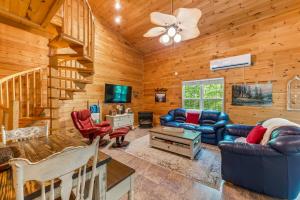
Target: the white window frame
(203, 82)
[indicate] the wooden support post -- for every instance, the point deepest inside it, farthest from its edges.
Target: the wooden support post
(34, 90)
(20, 96)
(2, 117)
(1, 95)
(27, 95)
(13, 115)
(14, 88)
(54, 95)
(7, 93)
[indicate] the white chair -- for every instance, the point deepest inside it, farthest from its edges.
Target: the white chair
(61, 166)
(24, 133)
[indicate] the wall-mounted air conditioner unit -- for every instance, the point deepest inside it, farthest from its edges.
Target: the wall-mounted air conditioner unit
(231, 62)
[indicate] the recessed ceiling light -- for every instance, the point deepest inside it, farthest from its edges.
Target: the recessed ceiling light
(118, 19)
(118, 5)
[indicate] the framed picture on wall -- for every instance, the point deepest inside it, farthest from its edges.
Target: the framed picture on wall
(252, 95)
(161, 95)
(293, 94)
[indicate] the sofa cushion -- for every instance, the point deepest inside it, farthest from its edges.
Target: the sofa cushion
(179, 115)
(208, 136)
(230, 138)
(256, 134)
(192, 117)
(205, 129)
(188, 126)
(173, 124)
(209, 117)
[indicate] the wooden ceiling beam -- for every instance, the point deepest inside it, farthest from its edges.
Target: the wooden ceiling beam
(22, 23)
(51, 13)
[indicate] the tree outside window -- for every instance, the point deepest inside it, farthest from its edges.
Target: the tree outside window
(203, 94)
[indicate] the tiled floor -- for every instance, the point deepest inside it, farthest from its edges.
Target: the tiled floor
(158, 183)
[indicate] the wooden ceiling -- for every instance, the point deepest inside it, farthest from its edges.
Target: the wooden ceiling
(31, 15)
(217, 15)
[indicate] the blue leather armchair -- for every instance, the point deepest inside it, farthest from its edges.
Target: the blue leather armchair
(271, 169)
(211, 123)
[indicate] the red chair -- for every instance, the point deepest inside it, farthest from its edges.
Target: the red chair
(84, 124)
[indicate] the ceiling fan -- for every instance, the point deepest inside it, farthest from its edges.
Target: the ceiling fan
(181, 26)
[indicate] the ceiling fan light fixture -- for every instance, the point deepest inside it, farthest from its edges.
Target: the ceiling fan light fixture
(164, 39)
(177, 27)
(177, 38)
(172, 31)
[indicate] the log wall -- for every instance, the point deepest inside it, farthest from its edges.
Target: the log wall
(115, 62)
(273, 42)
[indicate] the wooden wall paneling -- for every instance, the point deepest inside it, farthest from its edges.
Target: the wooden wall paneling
(275, 54)
(115, 62)
(21, 50)
(216, 16)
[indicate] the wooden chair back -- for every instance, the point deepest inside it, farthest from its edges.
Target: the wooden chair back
(60, 166)
(24, 133)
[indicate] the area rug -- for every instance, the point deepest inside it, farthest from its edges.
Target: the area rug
(206, 168)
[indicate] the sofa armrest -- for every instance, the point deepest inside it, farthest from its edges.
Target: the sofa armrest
(220, 124)
(238, 130)
(288, 145)
(166, 118)
(247, 149)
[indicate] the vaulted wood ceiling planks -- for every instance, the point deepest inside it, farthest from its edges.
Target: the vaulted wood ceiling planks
(31, 15)
(217, 15)
(33, 10)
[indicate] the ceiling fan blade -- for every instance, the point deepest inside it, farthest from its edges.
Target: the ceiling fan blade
(162, 19)
(188, 17)
(188, 34)
(156, 31)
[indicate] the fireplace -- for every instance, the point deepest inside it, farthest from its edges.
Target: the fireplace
(145, 119)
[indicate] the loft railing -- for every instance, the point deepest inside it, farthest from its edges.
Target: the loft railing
(78, 25)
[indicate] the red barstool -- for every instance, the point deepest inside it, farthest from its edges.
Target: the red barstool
(119, 134)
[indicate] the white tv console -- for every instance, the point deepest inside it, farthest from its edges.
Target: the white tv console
(119, 121)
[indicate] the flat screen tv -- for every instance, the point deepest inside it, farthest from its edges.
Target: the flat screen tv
(117, 93)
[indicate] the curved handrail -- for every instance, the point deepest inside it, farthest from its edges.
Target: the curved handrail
(7, 94)
(93, 17)
(7, 78)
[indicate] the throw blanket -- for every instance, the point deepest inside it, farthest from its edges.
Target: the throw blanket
(272, 124)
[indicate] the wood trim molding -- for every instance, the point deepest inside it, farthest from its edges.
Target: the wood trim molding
(51, 13)
(22, 23)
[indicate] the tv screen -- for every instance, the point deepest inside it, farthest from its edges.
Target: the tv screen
(117, 93)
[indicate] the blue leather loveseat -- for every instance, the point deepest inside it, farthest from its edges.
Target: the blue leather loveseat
(211, 123)
(272, 169)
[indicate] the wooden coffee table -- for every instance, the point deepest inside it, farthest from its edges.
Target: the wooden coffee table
(180, 141)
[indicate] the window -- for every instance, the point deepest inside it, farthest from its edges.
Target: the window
(203, 94)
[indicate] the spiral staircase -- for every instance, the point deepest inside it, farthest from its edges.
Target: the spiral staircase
(32, 96)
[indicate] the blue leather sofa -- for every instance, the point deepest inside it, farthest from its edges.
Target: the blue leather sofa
(211, 123)
(272, 169)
